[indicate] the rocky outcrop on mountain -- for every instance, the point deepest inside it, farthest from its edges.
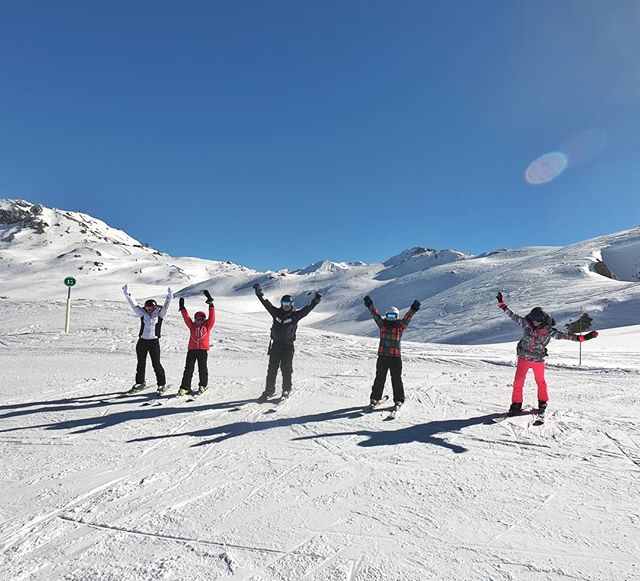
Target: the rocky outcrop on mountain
(25, 215)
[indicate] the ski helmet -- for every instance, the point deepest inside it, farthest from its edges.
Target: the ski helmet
(537, 315)
(150, 303)
(393, 314)
(199, 316)
(286, 302)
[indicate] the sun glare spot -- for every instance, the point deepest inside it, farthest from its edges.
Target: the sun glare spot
(546, 168)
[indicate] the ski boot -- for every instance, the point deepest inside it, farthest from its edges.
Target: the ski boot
(184, 391)
(375, 403)
(394, 412)
(515, 409)
(201, 389)
(137, 387)
(264, 396)
(285, 394)
(161, 389)
(542, 406)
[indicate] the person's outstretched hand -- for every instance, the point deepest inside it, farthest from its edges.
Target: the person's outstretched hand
(588, 336)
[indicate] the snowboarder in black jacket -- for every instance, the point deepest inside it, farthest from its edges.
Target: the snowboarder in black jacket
(283, 336)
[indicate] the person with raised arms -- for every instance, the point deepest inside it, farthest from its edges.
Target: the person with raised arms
(283, 336)
(538, 329)
(198, 348)
(151, 317)
(389, 357)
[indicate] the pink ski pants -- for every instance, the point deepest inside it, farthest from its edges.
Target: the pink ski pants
(521, 374)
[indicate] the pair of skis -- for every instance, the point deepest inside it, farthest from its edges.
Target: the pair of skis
(161, 397)
(392, 413)
(537, 421)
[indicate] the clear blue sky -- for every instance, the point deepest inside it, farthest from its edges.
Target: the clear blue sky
(275, 134)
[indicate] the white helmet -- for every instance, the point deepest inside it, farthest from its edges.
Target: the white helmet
(393, 314)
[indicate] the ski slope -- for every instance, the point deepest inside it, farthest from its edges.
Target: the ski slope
(96, 486)
(457, 290)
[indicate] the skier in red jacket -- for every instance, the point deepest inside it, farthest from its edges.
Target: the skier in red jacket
(198, 349)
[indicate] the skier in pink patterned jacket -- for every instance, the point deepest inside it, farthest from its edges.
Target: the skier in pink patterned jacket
(532, 349)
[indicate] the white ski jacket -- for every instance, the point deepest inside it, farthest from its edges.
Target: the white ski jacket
(150, 324)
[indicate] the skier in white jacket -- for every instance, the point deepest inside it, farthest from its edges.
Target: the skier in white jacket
(151, 317)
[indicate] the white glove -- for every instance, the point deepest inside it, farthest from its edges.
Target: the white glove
(125, 289)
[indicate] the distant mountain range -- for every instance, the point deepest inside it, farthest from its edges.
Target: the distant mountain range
(40, 246)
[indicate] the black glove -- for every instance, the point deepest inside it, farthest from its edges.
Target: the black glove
(181, 303)
(209, 297)
(368, 302)
(415, 305)
(499, 297)
(317, 297)
(591, 335)
(258, 289)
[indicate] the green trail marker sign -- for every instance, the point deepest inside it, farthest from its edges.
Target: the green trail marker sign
(68, 282)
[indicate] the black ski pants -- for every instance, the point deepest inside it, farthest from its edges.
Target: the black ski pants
(280, 356)
(388, 363)
(193, 355)
(152, 347)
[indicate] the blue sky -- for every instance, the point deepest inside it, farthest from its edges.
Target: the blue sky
(275, 134)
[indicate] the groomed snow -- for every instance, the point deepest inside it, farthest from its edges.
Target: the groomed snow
(95, 486)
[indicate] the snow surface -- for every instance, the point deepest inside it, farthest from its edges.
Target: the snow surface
(96, 486)
(101, 487)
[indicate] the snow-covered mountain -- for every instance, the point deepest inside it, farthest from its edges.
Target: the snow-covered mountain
(41, 246)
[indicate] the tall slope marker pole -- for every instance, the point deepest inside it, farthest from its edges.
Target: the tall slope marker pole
(69, 282)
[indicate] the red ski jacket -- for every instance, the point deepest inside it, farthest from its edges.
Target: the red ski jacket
(199, 338)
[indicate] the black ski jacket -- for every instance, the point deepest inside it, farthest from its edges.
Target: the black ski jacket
(285, 323)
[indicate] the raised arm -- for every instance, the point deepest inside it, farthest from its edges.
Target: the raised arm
(212, 311)
(185, 315)
(265, 302)
(517, 318)
(556, 334)
(137, 309)
(212, 316)
(415, 307)
(372, 309)
(167, 302)
(303, 312)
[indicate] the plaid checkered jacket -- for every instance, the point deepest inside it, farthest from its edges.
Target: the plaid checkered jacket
(390, 332)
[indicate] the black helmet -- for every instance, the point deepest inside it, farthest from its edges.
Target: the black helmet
(538, 315)
(150, 303)
(286, 302)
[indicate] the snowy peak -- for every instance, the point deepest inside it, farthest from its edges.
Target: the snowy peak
(327, 266)
(418, 259)
(20, 220)
(41, 246)
(425, 254)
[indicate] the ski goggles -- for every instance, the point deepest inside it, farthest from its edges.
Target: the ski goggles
(391, 316)
(286, 304)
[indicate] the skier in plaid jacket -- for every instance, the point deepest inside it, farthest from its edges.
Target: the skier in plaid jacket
(389, 357)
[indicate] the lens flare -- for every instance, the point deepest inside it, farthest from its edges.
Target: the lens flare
(546, 168)
(584, 146)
